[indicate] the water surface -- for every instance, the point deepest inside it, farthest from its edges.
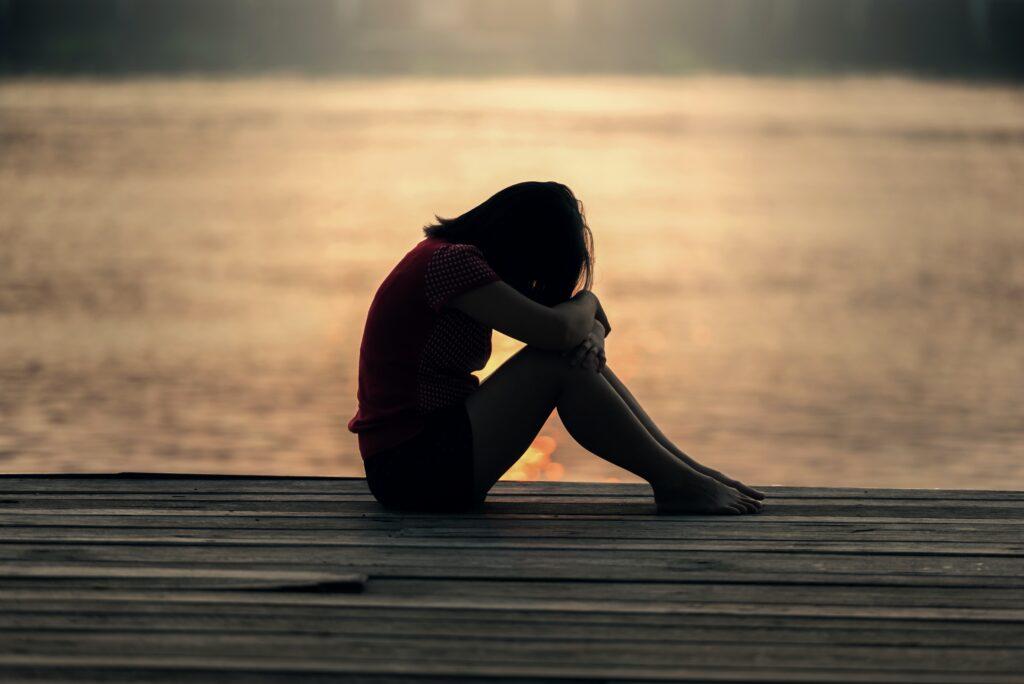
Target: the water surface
(812, 282)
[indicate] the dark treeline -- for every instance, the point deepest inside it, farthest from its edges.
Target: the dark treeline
(935, 37)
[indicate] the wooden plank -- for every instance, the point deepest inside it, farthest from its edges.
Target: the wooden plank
(195, 578)
(229, 615)
(545, 564)
(401, 626)
(27, 587)
(496, 600)
(537, 511)
(659, 529)
(132, 668)
(821, 596)
(180, 499)
(555, 655)
(642, 489)
(70, 617)
(498, 501)
(350, 539)
(234, 518)
(149, 483)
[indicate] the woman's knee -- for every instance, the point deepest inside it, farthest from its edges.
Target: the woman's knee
(546, 359)
(555, 363)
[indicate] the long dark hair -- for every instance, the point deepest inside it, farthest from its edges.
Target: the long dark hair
(533, 234)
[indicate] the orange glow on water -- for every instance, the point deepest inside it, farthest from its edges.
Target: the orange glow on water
(536, 463)
(775, 256)
(502, 348)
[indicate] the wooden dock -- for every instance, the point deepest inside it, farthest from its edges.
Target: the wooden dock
(221, 579)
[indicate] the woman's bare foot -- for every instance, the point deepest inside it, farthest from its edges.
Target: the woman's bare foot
(735, 484)
(703, 495)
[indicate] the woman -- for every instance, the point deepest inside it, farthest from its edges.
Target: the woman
(432, 437)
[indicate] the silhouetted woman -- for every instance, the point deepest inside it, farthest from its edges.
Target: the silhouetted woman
(432, 437)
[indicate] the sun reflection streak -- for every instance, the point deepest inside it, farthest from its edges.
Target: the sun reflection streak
(536, 463)
(502, 349)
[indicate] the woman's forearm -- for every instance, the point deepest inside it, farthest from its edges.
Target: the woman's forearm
(601, 317)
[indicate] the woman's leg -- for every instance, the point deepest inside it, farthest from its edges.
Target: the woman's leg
(508, 410)
(648, 422)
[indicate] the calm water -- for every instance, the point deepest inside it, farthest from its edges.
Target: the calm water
(811, 281)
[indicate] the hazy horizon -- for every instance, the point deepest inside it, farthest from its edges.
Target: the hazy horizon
(935, 38)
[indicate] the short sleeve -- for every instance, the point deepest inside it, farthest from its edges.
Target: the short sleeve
(453, 270)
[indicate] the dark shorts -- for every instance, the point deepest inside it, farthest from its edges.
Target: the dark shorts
(433, 471)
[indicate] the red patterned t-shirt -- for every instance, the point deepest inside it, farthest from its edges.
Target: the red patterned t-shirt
(418, 355)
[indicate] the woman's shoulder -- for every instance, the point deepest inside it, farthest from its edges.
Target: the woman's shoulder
(428, 247)
(421, 254)
(454, 268)
(433, 250)
(436, 259)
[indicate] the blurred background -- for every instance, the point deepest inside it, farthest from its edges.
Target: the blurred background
(808, 217)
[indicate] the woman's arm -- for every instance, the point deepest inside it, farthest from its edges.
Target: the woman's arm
(602, 318)
(501, 307)
(590, 353)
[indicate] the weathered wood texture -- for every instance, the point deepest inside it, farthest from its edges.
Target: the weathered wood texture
(161, 578)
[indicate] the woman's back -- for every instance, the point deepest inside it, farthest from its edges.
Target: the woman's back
(417, 355)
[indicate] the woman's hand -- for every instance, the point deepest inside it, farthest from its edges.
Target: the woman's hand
(590, 353)
(599, 314)
(603, 318)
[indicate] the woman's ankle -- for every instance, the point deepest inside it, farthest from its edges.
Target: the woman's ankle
(683, 480)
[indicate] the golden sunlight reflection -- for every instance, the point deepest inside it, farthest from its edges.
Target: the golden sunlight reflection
(536, 463)
(502, 348)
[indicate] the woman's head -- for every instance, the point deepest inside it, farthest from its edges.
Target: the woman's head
(533, 234)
